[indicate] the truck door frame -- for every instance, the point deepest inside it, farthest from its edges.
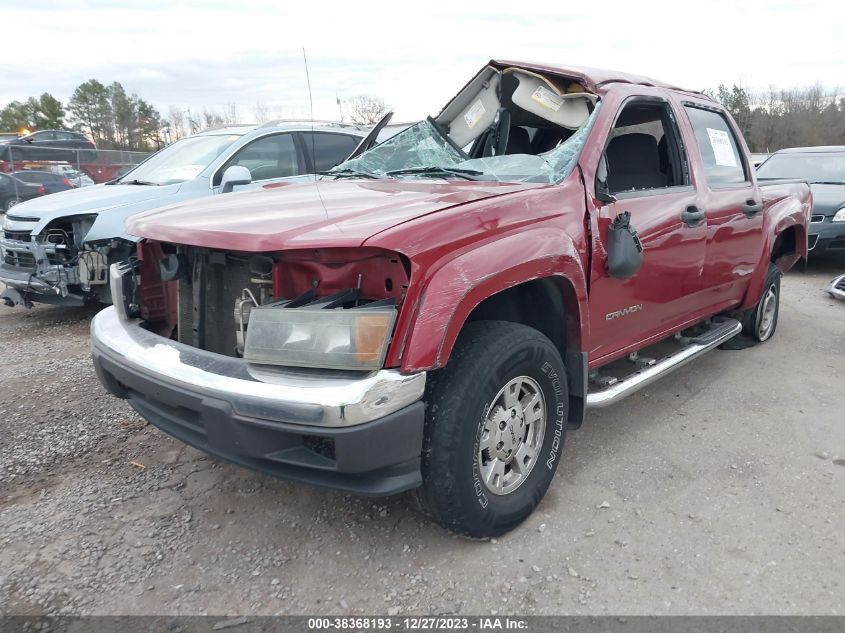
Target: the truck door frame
(650, 310)
(734, 228)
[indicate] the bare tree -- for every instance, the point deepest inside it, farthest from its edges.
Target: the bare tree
(366, 109)
(230, 113)
(176, 118)
(211, 118)
(778, 118)
(261, 112)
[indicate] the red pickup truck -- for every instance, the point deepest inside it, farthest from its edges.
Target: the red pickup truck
(436, 313)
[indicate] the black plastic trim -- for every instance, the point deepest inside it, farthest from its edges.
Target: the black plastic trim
(377, 458)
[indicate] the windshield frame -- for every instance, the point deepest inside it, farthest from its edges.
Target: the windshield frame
(131, 175)
(810, 155)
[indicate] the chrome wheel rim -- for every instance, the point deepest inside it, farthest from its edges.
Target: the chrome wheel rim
(10, 204)
(512, 435)
(768, 309)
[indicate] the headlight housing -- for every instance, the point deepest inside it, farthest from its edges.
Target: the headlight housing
(349, 339)
(840, 215)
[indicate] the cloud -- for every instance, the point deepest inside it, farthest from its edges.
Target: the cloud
(415, 56)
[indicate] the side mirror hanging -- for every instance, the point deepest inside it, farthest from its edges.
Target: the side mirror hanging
(624, 249)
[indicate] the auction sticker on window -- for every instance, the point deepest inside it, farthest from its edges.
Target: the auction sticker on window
(547, 98)
(474, 114)
(723, 152)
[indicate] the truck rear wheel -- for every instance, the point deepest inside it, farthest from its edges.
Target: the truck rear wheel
(759, 323)
(495, 428)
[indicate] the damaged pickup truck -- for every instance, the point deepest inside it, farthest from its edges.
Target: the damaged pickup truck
(440, 311)
(58, 249)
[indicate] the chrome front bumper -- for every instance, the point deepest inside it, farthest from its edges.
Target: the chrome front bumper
(297, 397)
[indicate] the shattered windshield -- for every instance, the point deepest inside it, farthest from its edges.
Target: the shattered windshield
(423, 151)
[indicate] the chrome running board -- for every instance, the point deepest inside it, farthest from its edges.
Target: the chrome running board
(721, 331)
(837, 288)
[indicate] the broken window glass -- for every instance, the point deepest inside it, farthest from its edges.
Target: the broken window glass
(423, 147)
(420, 145)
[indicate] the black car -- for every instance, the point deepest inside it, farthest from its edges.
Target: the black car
(53, 183)
(50, 145)
(824, 169)
(13, 191)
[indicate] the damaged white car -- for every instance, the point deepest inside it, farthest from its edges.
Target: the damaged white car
(58, 249)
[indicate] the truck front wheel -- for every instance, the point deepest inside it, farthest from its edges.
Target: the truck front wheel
(495, 428)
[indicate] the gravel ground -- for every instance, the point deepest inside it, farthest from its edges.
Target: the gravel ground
(720, 490)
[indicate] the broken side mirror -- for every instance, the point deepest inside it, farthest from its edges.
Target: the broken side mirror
(602, 192)
(624, 249)
(233, 176)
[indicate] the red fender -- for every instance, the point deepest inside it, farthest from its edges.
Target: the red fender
(465, 281)
(782, 213)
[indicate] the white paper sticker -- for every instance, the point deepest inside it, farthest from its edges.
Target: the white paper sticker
(723, 152)
(474, 114)
(547, 98)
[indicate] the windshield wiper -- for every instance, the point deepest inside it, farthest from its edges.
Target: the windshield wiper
(467, 174)
(139, 182)
(347, 173)
(827, 182)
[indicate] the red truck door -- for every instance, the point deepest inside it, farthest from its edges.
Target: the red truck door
(731, 201)
(647, 171)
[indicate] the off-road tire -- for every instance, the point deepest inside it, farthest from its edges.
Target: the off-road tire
(487, 355)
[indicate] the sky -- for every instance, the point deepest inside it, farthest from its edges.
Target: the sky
(415, 56)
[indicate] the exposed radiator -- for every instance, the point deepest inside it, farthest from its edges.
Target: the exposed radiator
(206, 301)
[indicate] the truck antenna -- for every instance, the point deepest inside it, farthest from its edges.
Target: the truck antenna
(313, 153)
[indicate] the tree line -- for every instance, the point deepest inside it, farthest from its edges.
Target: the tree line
(776, 118)
(115, 119)
(770, 120)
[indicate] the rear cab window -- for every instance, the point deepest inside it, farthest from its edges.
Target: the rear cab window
(718, 147)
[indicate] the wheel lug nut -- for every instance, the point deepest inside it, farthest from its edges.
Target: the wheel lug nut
(502, 426)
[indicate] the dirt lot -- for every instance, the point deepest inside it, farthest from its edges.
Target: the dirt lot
(719, 490)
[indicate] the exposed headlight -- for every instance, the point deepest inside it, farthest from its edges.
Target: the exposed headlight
(840, 215)
(355, 339)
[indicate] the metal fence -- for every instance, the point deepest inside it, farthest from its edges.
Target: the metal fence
(80, 167)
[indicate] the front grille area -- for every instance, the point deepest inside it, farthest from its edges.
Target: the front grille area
(811, 241)
(818, 217)
(58, 258)
(19, 236)
(840, 285)
(206, 302)
(19, 259)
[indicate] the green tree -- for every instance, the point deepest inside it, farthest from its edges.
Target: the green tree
(737, 101)
(48, 112)
(41, 113)
(90, 107)
(14, 117)
(149, 125)
(124, 116)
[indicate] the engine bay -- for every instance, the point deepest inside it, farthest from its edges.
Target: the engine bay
(209, 299)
